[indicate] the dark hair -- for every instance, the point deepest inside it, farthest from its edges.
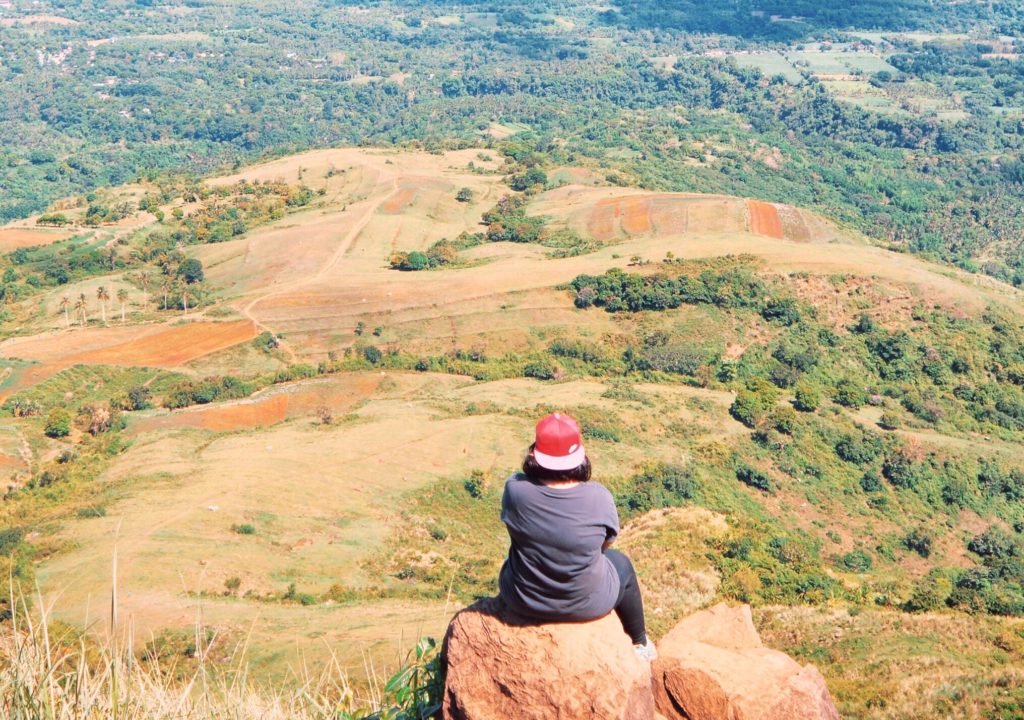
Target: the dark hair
(533, 470)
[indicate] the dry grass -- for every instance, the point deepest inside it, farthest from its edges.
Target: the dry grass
(894, 666)
(48, 674)
(669, 551)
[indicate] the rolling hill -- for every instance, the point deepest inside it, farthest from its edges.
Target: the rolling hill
(327, 474)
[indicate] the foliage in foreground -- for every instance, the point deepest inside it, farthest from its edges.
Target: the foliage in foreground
(48, 674)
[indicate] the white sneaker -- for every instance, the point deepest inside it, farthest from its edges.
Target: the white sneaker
(646, 652)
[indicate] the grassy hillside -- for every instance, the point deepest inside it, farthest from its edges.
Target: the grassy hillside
(300, 445)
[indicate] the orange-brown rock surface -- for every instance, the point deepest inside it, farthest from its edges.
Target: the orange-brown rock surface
(501, 667)
(712, 666)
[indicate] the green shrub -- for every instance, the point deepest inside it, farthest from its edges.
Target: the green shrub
(476, 484)
(783, 311)
(919, 540)
(138, 398)
(599, 431)
(904, 470)
(784, 419)
(191, 271)
(539, 370)
(807, 398)
(864, 325)
(266, 341)
(856, 561)
(890, 421)
(930, 593)
(870, 482)
(415, 261)
(657, 485)
(754, 478)
(232, 584)
(849, 394)
(858, 449)
(58, 424)
(244, 529)
(751, 407)
(996, 480)
(10, 539)
(578, 349)
(227, 387)
(957, 492)
(994, 544)
(372, 354)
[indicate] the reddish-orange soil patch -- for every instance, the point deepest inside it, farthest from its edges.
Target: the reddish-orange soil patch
(601, 224)
(338, 394)
(223, 418)
(131, 346)
(7, 461)
(399, 200)
(665, 214)
(636, 216)
(764, 219)
(13, 238)
(170, 347)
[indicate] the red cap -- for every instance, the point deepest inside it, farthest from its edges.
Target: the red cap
(559, 443)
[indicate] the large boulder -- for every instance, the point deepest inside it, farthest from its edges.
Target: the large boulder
(501, 666)
(712, 666)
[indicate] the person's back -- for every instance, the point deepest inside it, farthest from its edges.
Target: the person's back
(560, 526)
(555, 565)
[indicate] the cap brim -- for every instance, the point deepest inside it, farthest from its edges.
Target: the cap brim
(560, 462)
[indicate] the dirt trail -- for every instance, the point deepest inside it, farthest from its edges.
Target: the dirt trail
(343, 246)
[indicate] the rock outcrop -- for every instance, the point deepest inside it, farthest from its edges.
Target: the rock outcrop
(711, 666)
(500, 666)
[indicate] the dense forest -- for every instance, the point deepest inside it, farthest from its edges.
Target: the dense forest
(795, 19)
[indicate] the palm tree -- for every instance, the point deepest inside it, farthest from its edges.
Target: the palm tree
(122, 296)
(144, 282)
(64, 302)
(182, 289)
(80, 308)
(103, 296)
(165, 286)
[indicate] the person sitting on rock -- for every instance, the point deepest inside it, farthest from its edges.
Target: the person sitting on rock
(561, 524)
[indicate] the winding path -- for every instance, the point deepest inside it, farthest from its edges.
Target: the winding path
(343, 246)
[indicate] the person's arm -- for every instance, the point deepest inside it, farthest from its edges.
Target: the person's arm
(611, 521)
(507, 501)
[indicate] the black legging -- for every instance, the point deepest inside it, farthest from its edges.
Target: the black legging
(629, 606)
